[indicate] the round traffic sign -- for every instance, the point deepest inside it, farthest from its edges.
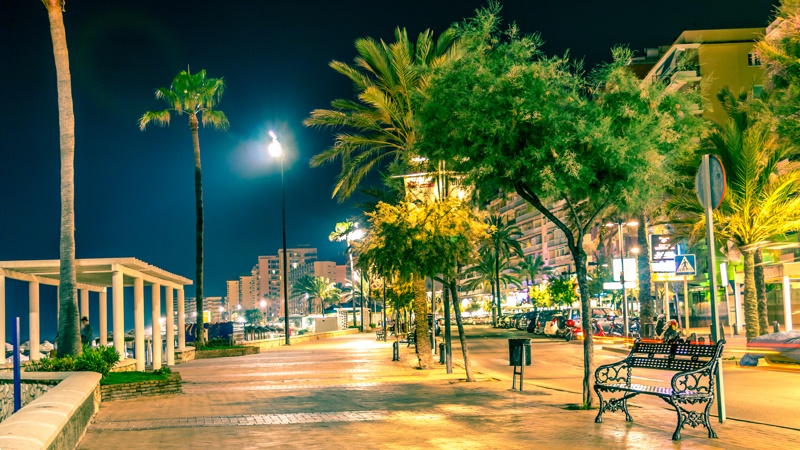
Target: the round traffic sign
(717, 183)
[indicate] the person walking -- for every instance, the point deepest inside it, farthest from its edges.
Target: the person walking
(86, 331)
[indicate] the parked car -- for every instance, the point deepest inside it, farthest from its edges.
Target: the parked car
(557, 326)
(525, 319)
(542, 317)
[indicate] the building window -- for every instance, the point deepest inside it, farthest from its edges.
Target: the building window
(753, 59)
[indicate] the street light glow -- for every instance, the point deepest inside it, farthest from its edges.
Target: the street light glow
(633, 223)
(274, 148)
(263, 303)
(635, 250)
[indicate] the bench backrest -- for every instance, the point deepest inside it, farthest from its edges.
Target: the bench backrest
(678, 357)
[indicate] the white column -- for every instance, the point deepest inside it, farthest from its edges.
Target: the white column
(739, 310)
(84, 303)
(156, 326)
(3, 312)
(181, 322)
(138, 322)
(117, 299)
(170, 324)
(787, 302)
(33, 319)
(103, 304)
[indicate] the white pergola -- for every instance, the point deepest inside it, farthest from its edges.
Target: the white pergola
(96, 275)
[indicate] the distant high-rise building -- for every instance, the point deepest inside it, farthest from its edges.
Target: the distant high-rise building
(234, 294)
(214, 305)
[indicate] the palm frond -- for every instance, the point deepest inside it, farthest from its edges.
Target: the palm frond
(160, 118)
(214, 118)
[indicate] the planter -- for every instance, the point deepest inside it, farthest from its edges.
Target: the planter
(225, 352)
(125, 391)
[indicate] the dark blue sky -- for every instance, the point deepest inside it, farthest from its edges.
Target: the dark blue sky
(134, 191)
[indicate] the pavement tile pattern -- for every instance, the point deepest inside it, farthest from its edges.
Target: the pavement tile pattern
(346, 393)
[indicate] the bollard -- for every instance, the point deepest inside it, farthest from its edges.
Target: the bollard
(777, 327)
(395, 351)
(442, 355)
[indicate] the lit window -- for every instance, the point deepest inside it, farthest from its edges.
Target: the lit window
(753, 59)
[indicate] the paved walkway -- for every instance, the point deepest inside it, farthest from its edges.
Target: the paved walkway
(346, 392)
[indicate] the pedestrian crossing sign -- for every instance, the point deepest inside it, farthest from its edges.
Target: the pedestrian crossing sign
(685, 265)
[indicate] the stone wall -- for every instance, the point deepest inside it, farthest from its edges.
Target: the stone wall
(225, 352)
(30, 390)
(264, 344)
(170, 386)
(126, 365)
(57, 419)
(185, 355)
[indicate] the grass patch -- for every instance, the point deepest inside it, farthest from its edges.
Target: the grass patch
(132, 377)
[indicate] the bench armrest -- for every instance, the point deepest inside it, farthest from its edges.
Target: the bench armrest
(613, 372)
(699, 381)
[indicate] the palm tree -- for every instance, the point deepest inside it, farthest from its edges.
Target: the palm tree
(387, 78)
(503, 245)
(762, 200)
(484, 273)
(347, 231)
(194, 95)
(320, 291)
(69, 338)
(531, 269)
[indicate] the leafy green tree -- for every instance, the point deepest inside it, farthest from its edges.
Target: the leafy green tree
(68, 326)
(253, 316)
(510, 118)
(484, 274)
(379, 125)
(348, 231)
(408, 241)
(658, 123)
(762, 199)
(780, 54)
(193, 95)
(503, 244)
(320, 291)
(561, 290)
(540, 298)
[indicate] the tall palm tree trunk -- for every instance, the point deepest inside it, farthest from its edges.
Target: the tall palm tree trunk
(494, 311)
(461, 336)
(761, 293)
(68, 323)
(198, 199)
(646, 302)
(750, 302)
(497, 282)
(422, 338)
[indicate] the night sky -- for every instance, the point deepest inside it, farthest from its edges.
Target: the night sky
(134, 191)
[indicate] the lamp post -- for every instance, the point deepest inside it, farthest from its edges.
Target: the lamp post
(276, 151)
(621, 241)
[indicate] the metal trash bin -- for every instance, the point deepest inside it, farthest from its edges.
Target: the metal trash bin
(515, 347)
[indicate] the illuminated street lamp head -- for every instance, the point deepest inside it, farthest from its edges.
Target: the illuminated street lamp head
(274, 148)
(611, 224)
(239, 307)
(633, 223)
(635, 250)
(263, 303)
(356, 235)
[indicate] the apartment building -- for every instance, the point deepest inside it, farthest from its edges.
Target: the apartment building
(234, 294)
(215, 308)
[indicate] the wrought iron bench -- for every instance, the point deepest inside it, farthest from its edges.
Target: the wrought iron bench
(411, 338)
(380, 335)
(692, 384)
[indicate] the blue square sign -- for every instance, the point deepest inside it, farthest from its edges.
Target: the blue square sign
(685, 265)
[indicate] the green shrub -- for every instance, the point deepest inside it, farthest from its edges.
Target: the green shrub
(218, 342)
(164, 370)
(93, 359)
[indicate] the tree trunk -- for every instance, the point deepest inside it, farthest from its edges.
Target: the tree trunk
(447, 343)
(761, 293)
(494, 311)
(198, 200)
(423, 339)
(646, 302)
(750, 303)
(461, 336)
(497, 282)
(69, 342)
(586, 323)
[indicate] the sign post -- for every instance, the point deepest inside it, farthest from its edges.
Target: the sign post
(17, 379)
(710, 186)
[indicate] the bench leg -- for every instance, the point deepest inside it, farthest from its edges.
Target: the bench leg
(599, 418)
(676, 436)
(628, 417)
(707, 419)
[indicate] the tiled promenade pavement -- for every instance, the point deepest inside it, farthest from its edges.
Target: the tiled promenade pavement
(347, 393)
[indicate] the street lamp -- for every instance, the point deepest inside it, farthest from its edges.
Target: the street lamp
(276, 151)
(619, 226)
